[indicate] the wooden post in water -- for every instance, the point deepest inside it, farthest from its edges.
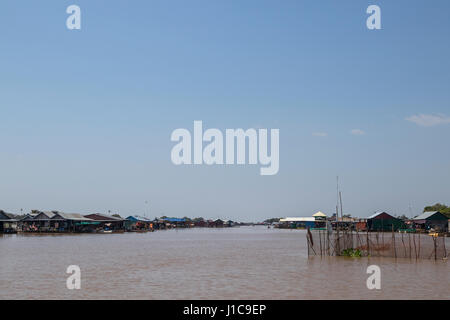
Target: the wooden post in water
(445, 249)
(328, 240)
(378, 242)
(320, 242)
(404, 247)
(311, 241)
(435, 247)
(307, 241)
(368, 242)
(344, 232)
(419, 246)
(393, 242)
(338, 251)
(410, 247)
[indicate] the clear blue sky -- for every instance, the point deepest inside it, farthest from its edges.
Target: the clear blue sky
(86, 116)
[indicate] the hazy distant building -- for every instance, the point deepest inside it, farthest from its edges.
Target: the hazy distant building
(431, 220)
(7, 223)
(382, 221)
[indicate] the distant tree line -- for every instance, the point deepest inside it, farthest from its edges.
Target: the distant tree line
(442, 208)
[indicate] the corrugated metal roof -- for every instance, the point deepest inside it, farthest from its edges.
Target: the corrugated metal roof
(174, 219)
(29, 216)
(103, 217)
(425, 215)
(71, 216)
(138, 218)
(319, 214)
(4, 216)
(49, 214)
(376, 214)
(45, 215)
(298, 219)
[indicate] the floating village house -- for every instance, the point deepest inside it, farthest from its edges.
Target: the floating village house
(175, 222)
(138, 223)
(318, 220)
(431, 220)
(382, 221)
(200, 222)
(7, 223)
(218, 223)
(298, 222)
(107, 223)
(38, 221)
(344, 223)
(74, 222)
(361, 225)
(229, 223)
(320, 216)
(56, 221)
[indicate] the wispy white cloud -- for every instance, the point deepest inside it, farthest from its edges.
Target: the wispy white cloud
(429, 120)
(320, 134)
(357, 132)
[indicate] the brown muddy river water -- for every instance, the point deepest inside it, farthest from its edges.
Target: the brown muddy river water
(232, 263)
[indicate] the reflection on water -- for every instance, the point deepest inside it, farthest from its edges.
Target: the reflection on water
(232, 263)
